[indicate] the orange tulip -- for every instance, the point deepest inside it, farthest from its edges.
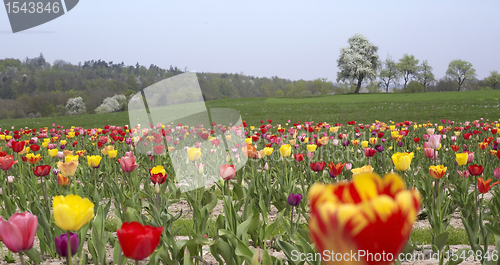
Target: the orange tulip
(336, 169)
(484, 186)
(68, 169)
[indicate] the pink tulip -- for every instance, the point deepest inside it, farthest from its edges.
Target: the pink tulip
(426, 137)
(435, 141)
(348, 166)
(127, 163)
(496, 172)
(429, 153)
(464, 173)
(427, 145)
(227, 172)
(129, 154)
(19, 232)
(471, 157)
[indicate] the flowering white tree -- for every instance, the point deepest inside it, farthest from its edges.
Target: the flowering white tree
(358, 62)
(76, 106)
(112, 104)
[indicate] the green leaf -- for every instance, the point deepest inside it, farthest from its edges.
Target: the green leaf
(33, 255)
(441, 240)
(243, 227)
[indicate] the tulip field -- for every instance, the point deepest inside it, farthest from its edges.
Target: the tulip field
(259, 192)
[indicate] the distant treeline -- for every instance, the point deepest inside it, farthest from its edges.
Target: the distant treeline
(34, 87)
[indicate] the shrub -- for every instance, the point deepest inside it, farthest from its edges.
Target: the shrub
(76, 106)
(112, 104)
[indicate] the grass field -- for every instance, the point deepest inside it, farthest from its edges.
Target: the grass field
(422, 107)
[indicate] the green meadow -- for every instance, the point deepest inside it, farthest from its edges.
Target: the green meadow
(418, 107)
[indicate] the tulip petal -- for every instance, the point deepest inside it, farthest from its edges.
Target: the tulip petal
(11, 236)
(29, 224)
(64, 217)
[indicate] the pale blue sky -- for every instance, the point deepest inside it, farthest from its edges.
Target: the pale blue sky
(288, 39)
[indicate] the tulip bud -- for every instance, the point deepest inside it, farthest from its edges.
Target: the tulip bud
(10, 179)
(266, 166)
(348, 166)
(201, 168)
(257, 256)
(157, 188)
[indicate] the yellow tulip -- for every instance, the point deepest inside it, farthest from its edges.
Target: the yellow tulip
(24, 151)
(68, 169)
(438, 171)
(402, 161)
(64, 142)
(46, 140)
(72, 212)
(106, 149)
(52, 152)
(311, 147)
(94, 161)
(8, 137)
(392, 127)
(334, 129)
(286, 150)
(44, 144)
(112, 153)
(457, 133)
(158, 170)
(262, 153)
(70, 158)
(248, 140)
(71, 135)
(359, 170)
(252, 127)
(194, 153)
(373, 141)
(2, 137)
(364, 144)
(461, 158)
(268, 150)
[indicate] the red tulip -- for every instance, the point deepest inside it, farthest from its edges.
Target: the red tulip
(416, 139)
(158, 149)
(227, 172)
(318, 166)
(476, 170)
(18, 234)
(298, 157)
(34, 147)
(41, 171)
(17, 146)
(127, 163)
(6, 162)
(138, 241)
(370, 152)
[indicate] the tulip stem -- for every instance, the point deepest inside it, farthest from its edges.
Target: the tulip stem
(131, 186)
(68, 236)
(136, 262)
(291, 221)
(22, 259)
(44, 189)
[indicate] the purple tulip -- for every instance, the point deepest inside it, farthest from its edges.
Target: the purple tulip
(62, 146)
(61, 243)
(400, 144)
(294, 199)
(379, 148)
(345, 143)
